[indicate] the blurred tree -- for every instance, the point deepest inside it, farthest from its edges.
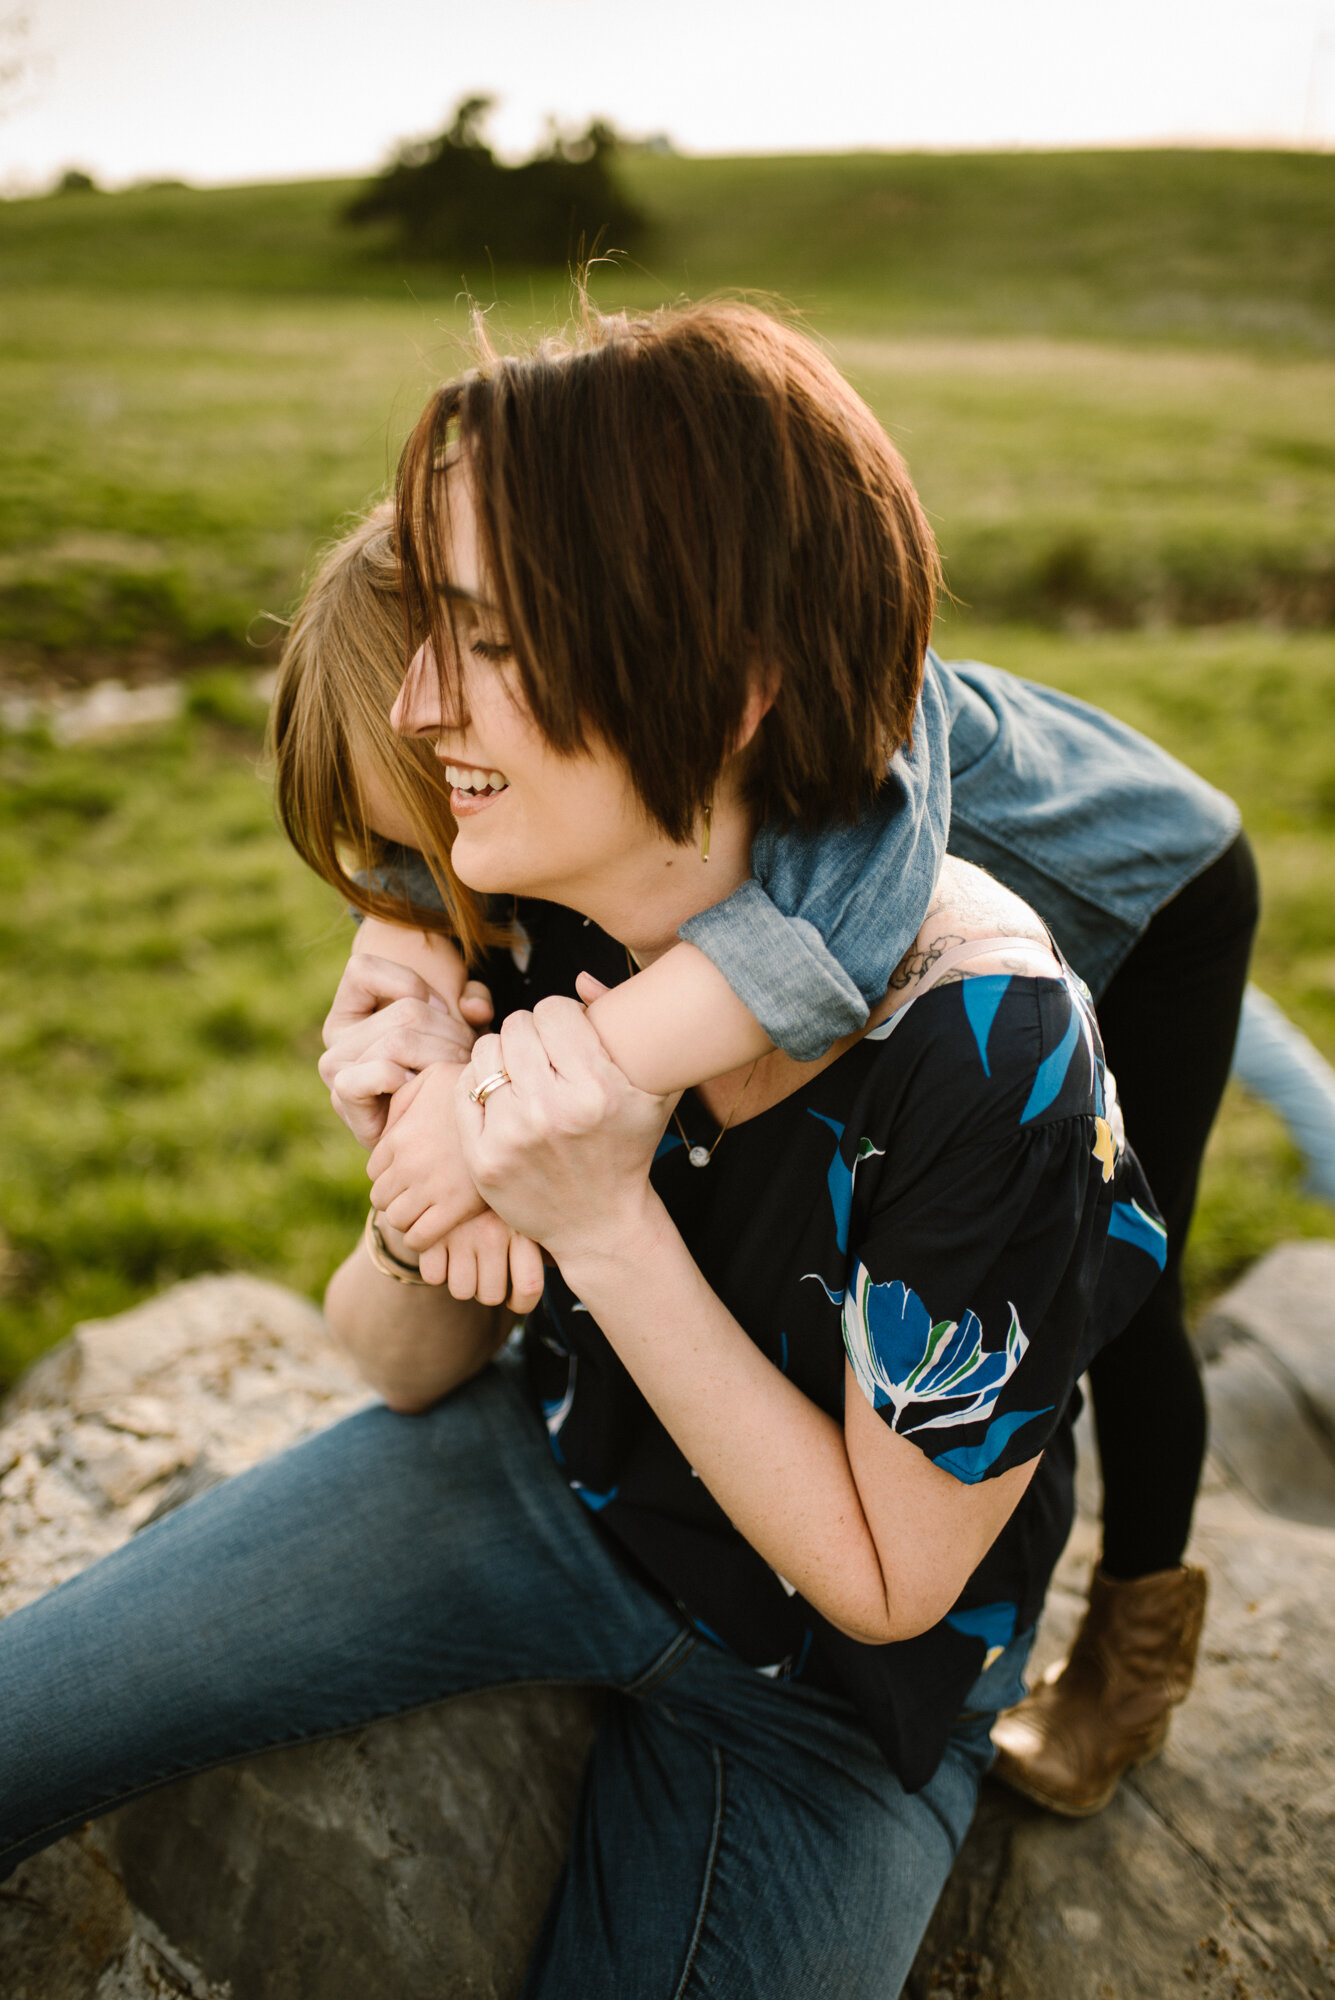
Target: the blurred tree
(75, 181)
(450, 197)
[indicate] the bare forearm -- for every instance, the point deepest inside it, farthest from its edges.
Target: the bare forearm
(677, 1023)
(776, 1464)
(433, 958)
(411, 1343)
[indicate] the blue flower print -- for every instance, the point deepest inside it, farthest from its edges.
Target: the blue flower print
(901, 1356)
(903, 1359)
(1051, 1072)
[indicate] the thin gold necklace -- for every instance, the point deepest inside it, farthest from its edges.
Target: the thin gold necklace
(700, 1156)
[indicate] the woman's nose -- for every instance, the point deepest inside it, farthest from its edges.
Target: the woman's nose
(416, 710)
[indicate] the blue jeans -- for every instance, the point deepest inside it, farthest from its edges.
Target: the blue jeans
(734, 1837)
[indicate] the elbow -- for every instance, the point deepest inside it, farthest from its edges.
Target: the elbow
(910, 1624)
(406, 1402)
(869, 1631)
(888, 1629)
(892, 1617)
(883, 1629)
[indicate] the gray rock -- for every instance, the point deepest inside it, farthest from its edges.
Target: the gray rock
(107, 708)
(1262, 1432)
(415, 1857)
(409, 1861)
(1270, 1344)
(1286, 1305)
(217, 1372)
(1213, 1870)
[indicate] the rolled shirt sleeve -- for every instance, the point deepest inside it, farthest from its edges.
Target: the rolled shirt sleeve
(810, 941)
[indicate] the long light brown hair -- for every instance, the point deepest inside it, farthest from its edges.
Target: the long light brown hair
(668, 506)
(330, 737)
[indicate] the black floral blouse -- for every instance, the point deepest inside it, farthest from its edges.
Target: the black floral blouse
(950, 1205)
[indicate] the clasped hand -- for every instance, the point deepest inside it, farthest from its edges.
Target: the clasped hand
(559, 1156)
(562, 1152)
(384, 1027)
(393, 1052)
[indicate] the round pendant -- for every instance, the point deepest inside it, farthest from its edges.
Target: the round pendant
(698, 1156)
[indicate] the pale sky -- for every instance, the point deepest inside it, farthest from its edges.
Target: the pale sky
(226, 90)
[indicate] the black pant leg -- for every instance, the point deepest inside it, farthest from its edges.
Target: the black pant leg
(1169, 1019)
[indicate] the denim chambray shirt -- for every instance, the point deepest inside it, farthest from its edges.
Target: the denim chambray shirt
(1091, 823)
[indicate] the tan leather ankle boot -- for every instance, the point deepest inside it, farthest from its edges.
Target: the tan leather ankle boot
(1105, 1708)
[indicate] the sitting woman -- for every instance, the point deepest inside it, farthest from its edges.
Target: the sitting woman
(787, 1461)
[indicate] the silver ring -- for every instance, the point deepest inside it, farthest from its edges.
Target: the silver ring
(490, 1085)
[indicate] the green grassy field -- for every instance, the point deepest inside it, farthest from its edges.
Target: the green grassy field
(166, 964)
(1113, 376)
(195, 386)
(166, 473)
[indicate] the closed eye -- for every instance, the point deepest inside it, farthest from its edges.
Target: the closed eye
(490, 649)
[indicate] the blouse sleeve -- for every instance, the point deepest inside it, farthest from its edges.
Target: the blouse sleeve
(1005, 1244)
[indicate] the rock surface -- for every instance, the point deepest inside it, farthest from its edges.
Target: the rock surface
(130, 1415)
(414, 1858)
(346, 1870)
(1213, 1870)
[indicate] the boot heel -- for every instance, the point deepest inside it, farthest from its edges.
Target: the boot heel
(1153, 1750)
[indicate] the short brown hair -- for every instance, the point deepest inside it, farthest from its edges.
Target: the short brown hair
(329, 730)
(666, 505)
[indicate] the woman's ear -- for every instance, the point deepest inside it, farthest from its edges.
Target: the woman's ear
(762, 689)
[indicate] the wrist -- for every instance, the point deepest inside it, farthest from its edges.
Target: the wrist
(388, 1250)
(393, 1239)
(619, 1252)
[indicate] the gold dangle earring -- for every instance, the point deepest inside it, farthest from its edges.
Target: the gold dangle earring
(704, 837)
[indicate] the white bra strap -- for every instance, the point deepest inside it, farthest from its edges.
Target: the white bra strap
(957, 954)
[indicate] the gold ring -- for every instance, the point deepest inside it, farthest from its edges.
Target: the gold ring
(489, 1086)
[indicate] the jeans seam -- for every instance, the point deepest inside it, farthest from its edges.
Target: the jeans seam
(711, 1862)
(675, 1655)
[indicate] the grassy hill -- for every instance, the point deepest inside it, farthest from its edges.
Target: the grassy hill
(1113, 375)
(1188, 247)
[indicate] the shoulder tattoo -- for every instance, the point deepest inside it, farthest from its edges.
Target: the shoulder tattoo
(918, 961)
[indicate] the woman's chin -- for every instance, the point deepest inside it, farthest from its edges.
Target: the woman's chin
(472, 869)
(483, 866)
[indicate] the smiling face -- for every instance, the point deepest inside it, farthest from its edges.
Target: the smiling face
(531, 820)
